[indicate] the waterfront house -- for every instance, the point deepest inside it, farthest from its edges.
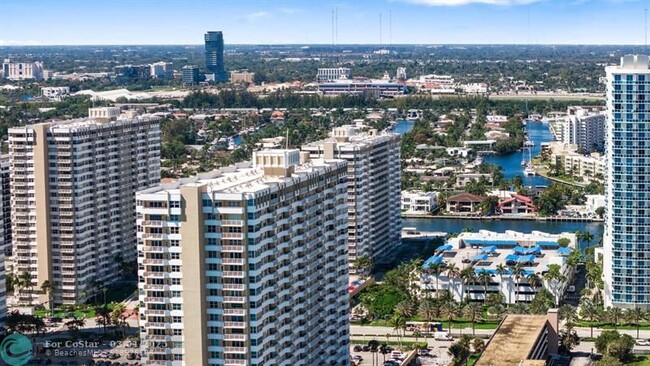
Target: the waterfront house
(517, 204)
(464, 203)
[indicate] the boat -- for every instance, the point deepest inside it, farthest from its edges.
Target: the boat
(529, 143)
(529, 171)
(523, 163)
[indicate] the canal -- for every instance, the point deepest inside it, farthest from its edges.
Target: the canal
(538, 132)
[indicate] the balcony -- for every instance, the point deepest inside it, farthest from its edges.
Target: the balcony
(232, 222)
(152, 223)
(236, 362)
(237, 261)
(235, 274)
(233, 248)
(153, 249)
(232, 235)
(234, 299)
(235, 349)
(152, 236)
(156, 299)
(234, 337)
(154, 261)
(233, 286)
(238, 325)
(154, 287)
(154, 274)
(237, 312)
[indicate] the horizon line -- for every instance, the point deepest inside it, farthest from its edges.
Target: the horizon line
(328, 45)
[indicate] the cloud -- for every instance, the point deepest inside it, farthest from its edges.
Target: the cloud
(18, 43)
(468, 2)
(258, 15)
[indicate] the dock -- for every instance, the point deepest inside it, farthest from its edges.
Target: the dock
(414, 234)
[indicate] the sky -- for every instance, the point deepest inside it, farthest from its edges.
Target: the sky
(126, 22)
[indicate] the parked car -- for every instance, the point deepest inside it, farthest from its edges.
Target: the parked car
(358, 348)
(396, 355)
(423, 352)
(357, 358)
(642, 342)
(365, 348)
(442, 336)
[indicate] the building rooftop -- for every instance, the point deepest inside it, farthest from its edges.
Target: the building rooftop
(85, 123)
(466, 197)
(513, 341)
(244, 178)
(349, 136)
(486, 250)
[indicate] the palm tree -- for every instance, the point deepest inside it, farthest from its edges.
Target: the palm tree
(363, 264)
(635, 316)
(427, 310)
(554, 277)
(450, 310)
(614, 315)
(47, 289)
(467, 276)
(534, 281)
(374, 348)
(25, 280)
(484, 278)
(435, 269)
(384, 350)
(518, 272)
(473, 311)
(568, 314)
(453, 273)
(398, 323)
(403, 309)
(590, 312)
(459, 353)
(501, 270)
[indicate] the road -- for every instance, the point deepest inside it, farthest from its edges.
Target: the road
(368, 332)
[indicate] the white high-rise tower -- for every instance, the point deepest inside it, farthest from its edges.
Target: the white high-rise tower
(627, 218)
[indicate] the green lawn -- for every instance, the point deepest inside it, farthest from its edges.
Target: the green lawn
(87, 313)
(601, 325)
(455, 324)
(404, 343)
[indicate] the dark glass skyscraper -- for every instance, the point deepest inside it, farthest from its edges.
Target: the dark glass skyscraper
(214, 56)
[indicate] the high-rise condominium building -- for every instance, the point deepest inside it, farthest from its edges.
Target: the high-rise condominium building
(584, 127)
(73, 186)
(5, 232)
(246, 265)
(374, 223)
(190, 75)
(627, 208)
(214, 56)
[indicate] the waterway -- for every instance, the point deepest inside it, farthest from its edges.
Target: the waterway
(538, 132)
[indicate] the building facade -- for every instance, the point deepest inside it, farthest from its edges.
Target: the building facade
(5, 233)
(374, 221)
(419, 202)
(55, 93)
(190, 75)
(585, 128)
(73, 187)
(242, 77)
(22, 70)
(627, 228)
(486, 252)
(333, 74)
(246, 265)
(214, 63)
(162, 70)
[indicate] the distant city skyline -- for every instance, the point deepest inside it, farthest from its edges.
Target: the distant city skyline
(144, 22)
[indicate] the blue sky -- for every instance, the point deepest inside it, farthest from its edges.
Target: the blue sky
(78, 22)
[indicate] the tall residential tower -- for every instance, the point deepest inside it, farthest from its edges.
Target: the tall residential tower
(73, 186)
(374, 223)
(214, 56)
(626, 240)
(246, 265)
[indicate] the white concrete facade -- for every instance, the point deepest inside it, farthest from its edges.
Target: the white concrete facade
(333, 74)
(374, 220)
(584, 128)
(73, 187)
(419, 202)
(468, 250)
(246, 265)
(22, 70)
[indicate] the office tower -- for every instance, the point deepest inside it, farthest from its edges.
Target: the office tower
(73, 187)
(374, 223)
(246, 265)
(190, 75)
(585, 128)
(627, 227)
(214, 56)
(162, 70)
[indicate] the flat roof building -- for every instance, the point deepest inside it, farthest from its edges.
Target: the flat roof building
(374, 221)
(73, 187)
(247, 265)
